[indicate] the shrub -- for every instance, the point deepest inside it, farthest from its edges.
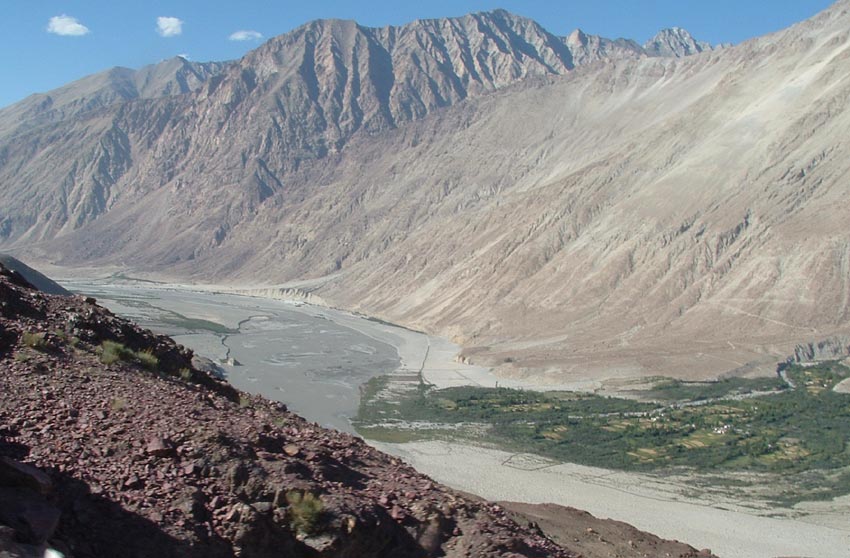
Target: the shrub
(113, 351)
(36, 341)
(148, 360)
(305, 509)
(63, 335)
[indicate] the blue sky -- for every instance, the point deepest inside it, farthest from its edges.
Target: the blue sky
(47, 43)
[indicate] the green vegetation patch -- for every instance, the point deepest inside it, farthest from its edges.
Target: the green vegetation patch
(739, 425)
(148, 360)
(305, 511)
(37, 341)
(678, 390)
(112, 352)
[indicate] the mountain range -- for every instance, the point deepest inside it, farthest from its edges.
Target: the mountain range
(561, 206)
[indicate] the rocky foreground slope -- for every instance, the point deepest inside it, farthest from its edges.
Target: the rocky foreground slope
(112, 444)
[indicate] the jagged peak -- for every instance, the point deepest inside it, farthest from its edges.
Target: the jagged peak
(671, 42)
(673, 32)
(499, 24)
(586, 48)
(492, 15)
(498, 19)
(577, 37)
(676, 42)
(495, 17)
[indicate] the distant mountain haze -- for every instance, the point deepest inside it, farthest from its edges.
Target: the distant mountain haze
(170, 77)
(562, 206)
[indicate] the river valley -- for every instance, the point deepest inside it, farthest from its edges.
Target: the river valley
(315, 359)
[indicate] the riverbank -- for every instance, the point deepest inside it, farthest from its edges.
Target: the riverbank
(649, 503)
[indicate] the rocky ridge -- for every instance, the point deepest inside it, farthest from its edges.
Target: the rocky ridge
(587, 49)
(175, 76)
(33, 277)
(591, 536)
(834, 348)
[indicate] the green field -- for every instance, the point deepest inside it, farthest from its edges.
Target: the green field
(758, 425)
(677, 390)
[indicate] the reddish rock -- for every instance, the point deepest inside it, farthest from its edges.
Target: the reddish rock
(159, 447)
(133, 481)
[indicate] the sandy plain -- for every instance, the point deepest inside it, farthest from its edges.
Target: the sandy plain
(314, 359)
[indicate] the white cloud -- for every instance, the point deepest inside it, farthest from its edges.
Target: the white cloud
(185, 56)
(67, 26)
(246, 36)
(169, 26)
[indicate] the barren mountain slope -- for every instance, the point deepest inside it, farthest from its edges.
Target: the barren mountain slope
(676, 216)
(666, 216)
(670, 216)
(211, 158)
(652, 215)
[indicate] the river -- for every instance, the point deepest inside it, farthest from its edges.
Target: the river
(300, 355)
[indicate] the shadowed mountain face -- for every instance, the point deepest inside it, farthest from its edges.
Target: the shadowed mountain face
(551, 201)
(33, 277)
(106, 141)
